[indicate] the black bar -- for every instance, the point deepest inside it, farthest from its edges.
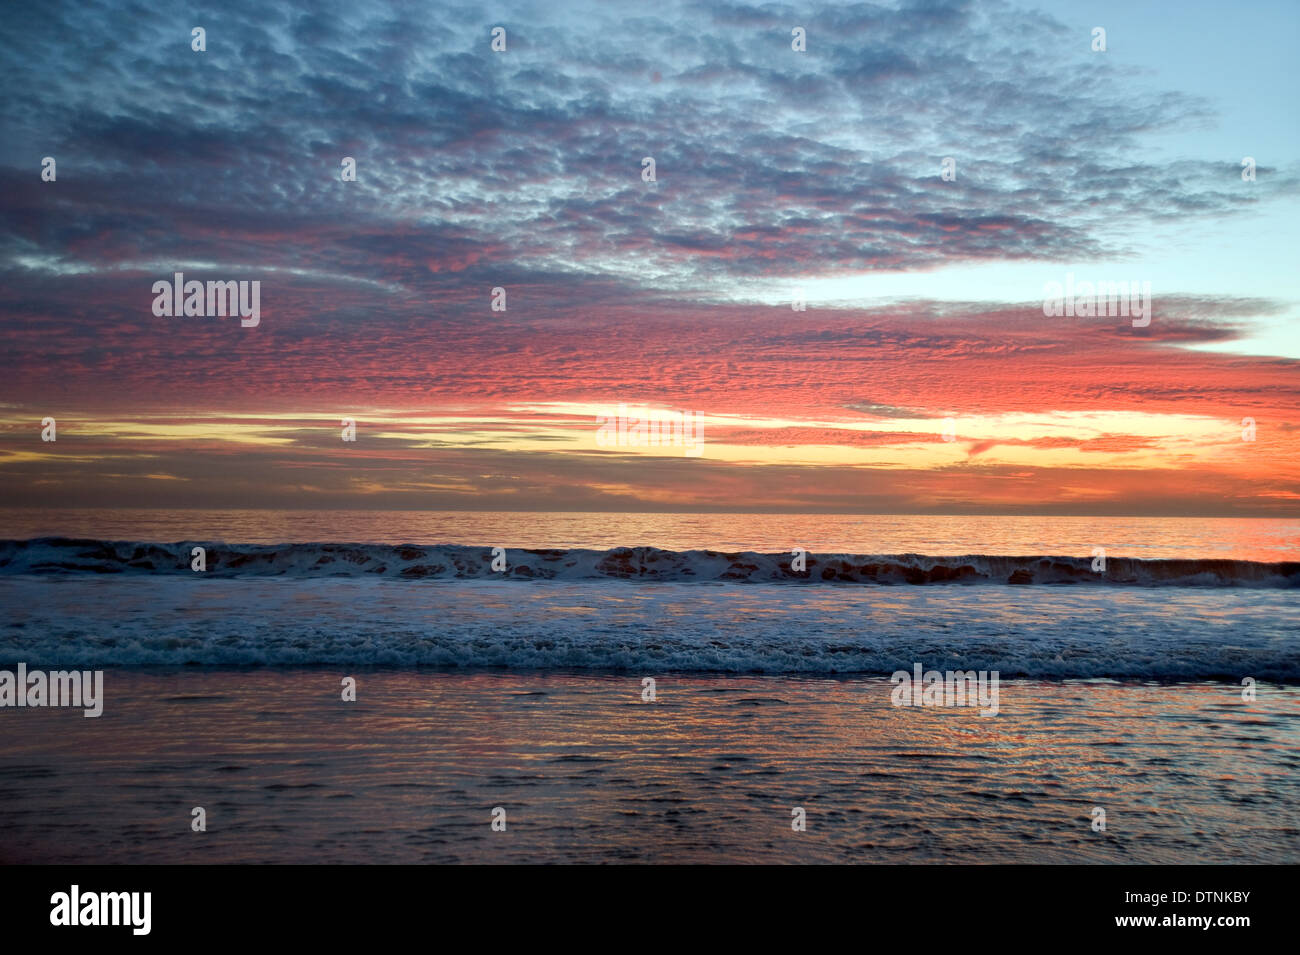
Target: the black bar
(335, 904)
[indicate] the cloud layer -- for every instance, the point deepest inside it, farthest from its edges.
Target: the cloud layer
(522, 170)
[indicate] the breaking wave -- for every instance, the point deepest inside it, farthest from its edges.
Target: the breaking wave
(65, 556)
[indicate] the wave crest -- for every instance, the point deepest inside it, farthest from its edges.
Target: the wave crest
(60, 555)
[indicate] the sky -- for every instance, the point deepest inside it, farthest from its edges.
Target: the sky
(921, 376)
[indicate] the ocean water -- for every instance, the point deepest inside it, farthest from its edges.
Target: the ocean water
(1142, 537)
(1172, 600)
(1049, 632)
(1121, 689)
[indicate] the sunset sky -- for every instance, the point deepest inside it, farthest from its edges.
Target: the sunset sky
(776, 170)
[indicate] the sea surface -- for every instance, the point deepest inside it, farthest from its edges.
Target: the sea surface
(1143, 537)
(1045, 598)
(501, 659)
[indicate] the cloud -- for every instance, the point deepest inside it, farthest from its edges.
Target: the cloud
(522, 170)
(475, 165)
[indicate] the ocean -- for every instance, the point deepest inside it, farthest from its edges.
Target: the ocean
(1162, 687)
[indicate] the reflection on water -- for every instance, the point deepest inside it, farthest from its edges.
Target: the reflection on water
(586, 772)
(1145, 537)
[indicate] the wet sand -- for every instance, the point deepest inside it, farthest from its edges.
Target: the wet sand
(586, 772)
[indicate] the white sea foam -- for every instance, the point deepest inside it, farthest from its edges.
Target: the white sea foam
(1048, 632)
